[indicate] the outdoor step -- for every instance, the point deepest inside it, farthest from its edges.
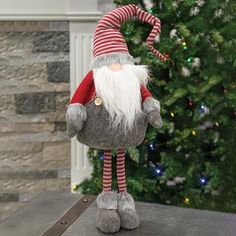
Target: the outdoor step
(48, 207)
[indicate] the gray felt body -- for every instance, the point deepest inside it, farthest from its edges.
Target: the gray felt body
(98, 133)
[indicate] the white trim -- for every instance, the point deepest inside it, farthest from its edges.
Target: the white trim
(75, 10)
(81, 44)
(84, 16)
(53, 15)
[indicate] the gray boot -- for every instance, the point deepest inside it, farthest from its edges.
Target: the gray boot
(107, 219)
(126, 210)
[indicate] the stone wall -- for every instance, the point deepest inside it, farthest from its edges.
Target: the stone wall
(34, 92)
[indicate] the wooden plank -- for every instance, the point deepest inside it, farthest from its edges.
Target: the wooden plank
(40, 214)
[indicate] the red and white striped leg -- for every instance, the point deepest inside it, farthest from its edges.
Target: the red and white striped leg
(120, 165)
(107, 171)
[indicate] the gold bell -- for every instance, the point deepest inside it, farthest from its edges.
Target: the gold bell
(98, 101)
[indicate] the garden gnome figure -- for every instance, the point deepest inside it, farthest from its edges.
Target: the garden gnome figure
(111, 109)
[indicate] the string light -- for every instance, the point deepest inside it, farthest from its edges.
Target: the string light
(203, 180)
(152, 146)
(194, 133)
(184, 44)
(189, 102)
(203, 110)
(158, 170)
(75, 187)
(189, 60)
(187, 201)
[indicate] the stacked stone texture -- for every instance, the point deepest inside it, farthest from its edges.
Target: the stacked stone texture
(34, 93)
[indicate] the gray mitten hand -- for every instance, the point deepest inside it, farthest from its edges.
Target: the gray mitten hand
(154, 118)
(71, 131)
(75, 116)
(151, 107)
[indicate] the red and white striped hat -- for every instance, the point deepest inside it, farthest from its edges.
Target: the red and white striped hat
(108, 39)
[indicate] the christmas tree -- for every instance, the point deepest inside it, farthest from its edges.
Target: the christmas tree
(189, 161)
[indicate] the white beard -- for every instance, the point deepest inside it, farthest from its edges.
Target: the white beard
(120, 92)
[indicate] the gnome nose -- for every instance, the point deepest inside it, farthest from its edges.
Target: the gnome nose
(115, 66)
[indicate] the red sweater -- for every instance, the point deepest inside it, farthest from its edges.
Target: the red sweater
(85, 92)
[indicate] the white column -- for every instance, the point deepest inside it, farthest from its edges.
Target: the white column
(81, 43)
